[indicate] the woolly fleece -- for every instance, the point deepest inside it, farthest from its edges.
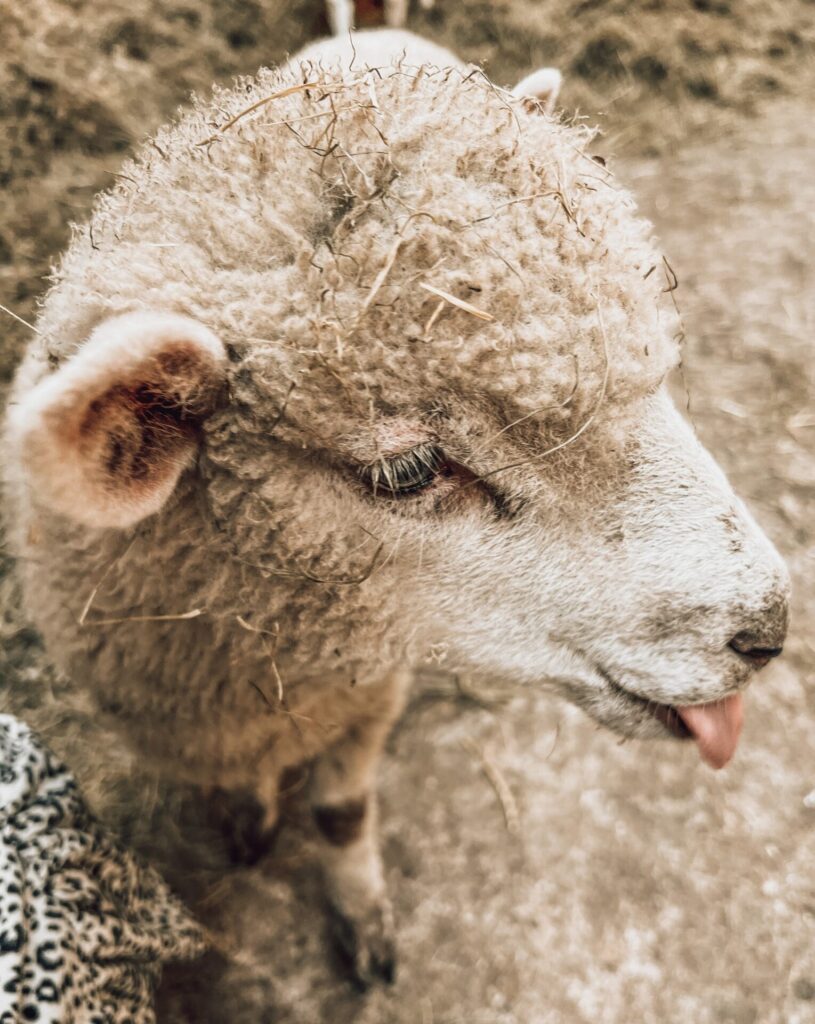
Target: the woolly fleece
(299, 216)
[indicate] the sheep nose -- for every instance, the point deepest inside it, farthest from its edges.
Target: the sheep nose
(763, 634)
(754, 649)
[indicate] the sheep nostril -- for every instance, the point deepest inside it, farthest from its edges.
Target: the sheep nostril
(748, 650)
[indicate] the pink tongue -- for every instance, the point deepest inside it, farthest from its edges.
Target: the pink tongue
(715, 727)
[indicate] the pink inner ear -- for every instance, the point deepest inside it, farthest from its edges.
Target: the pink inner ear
(104, 439)
(140, 431)
(135, 434)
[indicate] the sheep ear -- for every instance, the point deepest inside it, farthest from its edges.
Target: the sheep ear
(104, 439)
(542, 87)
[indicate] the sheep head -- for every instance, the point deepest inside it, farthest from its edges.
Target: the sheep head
(405, 341)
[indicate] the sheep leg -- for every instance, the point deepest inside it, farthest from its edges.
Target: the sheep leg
(396, 12)
(345, 812)
(343, 802)
(340, 16)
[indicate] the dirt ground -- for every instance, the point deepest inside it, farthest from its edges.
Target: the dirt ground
(635, 884)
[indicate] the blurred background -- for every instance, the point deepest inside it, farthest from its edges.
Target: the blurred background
(595, 882)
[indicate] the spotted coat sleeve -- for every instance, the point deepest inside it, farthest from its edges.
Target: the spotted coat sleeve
(84, 928)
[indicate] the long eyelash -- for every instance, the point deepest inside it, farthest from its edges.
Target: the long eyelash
(406, 472)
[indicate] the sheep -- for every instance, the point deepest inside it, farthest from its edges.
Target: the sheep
(540, 89)
(355, 369)
(341, 14)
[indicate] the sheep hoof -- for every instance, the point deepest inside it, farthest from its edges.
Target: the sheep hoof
(241, 822)
(366, 945)
(247, 847)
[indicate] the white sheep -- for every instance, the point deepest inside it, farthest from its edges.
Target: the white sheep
(341, 14)
(355, 369)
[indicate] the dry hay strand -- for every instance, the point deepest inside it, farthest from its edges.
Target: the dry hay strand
(194, 613)
(381, 277)
(301, 573)
(84, 621)
(271, 648)
(83, 616)
(431, 320)
(19, 319)
(562, 444)
(535, 412)
(455, 301)
(279, 95)
(580, 430)
(347, 581)
(494, 776)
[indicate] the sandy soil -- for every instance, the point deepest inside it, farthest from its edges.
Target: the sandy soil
(636, 885)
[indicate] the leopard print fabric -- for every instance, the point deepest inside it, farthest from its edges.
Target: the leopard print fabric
(84, 929)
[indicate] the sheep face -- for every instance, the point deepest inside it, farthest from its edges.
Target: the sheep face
(620, 569)
(614, 564)
(398, 368)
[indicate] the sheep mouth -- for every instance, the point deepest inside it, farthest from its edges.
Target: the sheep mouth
(666, 714)
(715, 726)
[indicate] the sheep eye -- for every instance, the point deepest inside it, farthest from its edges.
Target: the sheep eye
(407, 473)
